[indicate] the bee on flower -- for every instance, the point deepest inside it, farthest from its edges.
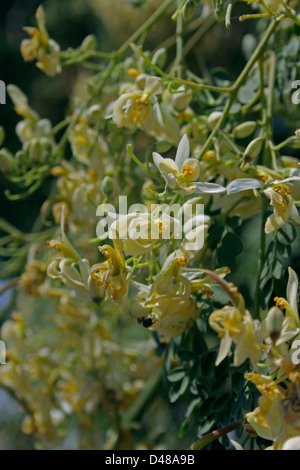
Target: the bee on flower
(40, 47)
(167, 306)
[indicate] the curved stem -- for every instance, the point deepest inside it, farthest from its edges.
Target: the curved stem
(216, 435)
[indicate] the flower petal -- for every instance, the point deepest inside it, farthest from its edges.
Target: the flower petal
(209, 188)
(183, 151)
(242, 184)
(292, 291)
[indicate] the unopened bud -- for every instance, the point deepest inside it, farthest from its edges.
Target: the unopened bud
(213, 119)
(253, 150)
(6, 161)
(189, 11)
(182, 98)
(93, 114)
(274, 322)
(162, 146)
(107, 186)
(89, 43)
(42, 128)
(24, 130)
(245, 129)
(159, 57)
(38, 150)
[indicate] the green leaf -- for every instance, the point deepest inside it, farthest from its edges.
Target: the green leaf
(231, 244)
(287, 234)
(266, 294)
(176, 375)
(277, 269)
(234, 222)
(225, 259)
(178, 389)
(284, 250)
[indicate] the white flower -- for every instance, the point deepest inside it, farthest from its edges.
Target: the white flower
(135, 107)
(181, 174)
(281, 199)
(139, 232)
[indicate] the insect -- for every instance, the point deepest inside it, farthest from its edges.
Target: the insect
(145, 321)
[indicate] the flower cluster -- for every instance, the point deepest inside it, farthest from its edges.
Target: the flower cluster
(195, 280)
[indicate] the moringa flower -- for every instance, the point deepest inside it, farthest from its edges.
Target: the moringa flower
(277, 418)
(166, 306)
(280, 195)
(41, 47)
(110, 274)
(234, 324)
(181, 174)
(138, 106)
(138, 232)
(71, 269)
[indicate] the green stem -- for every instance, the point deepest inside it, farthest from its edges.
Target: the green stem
(179, 43)
(215, 435)
(261, 259)
(145, 399)
(238, 83)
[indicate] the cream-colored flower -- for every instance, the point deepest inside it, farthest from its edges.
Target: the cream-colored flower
(182, 173)
(110, 274)
(41, 47)
(72, 270)
(277, 418)
(138, 106)
(20, 102)
(280, 195)
(166, 306)
(234, 324)
(138, 233)
(237, 328)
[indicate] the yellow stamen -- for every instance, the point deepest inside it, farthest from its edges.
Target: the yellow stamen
(210, 154)
(133, 73)
(181, 261)
(93, 175)
(161, 227)
(187, 171)
(279, 302)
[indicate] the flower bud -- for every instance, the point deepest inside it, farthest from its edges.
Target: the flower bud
(159, 57)
(162, 146)
(89, 43)
(107, 186)
(42, 128)
(21, 157)
(24, 130)
(273, 323)
(93, 114)
(38, 149)
(182, 98)
(6, 161)
(189, 11)
(253, 150)
(213, 119)
(244, 130)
